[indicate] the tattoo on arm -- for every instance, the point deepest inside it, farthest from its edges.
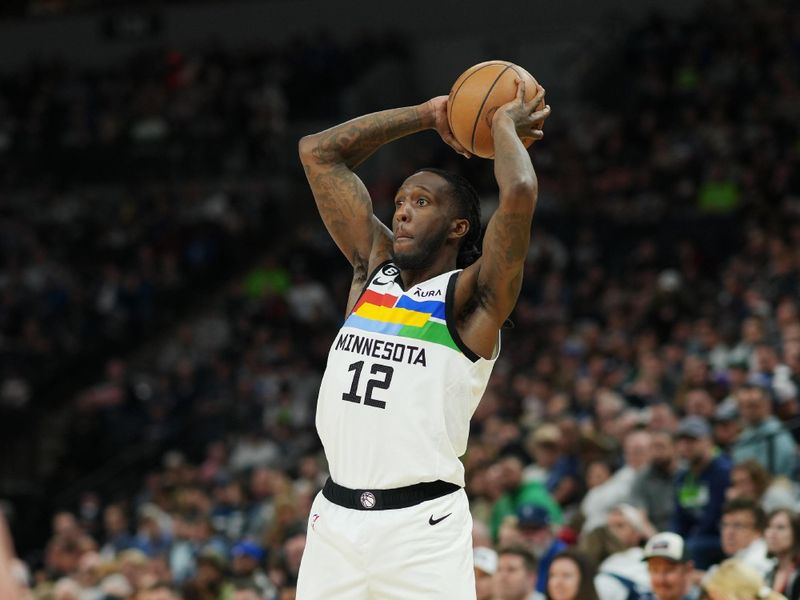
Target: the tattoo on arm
(329, 158)
(512, 235)
(506, 246)
(354, 141)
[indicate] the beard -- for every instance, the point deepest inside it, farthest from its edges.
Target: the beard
(424, 254)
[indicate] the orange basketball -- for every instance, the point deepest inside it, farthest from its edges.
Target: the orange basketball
(477, 94)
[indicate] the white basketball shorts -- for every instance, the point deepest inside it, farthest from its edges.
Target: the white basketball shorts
(414, 553)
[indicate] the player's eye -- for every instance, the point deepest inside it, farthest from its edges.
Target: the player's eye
(422, 201)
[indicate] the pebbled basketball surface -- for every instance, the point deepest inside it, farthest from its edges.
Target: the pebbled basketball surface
(476, 95)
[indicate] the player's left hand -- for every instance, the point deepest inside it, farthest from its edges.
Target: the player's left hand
(528, 118)
(438, 106)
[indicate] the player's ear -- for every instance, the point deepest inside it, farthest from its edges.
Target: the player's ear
(459, 229)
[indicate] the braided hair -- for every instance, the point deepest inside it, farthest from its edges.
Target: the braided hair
(467, 206)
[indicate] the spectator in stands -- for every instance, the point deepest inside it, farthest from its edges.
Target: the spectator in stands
(286, 565)
(750, 480)
(228, 513)
(61, 556)
(261, 507)
(247, 558)
(742, 529)
(515, 578)
(776, 377)
(133, 565)
(571, 577)
(555, 464)
(670, 567)
(736, 580)
(89, 571)
(117, 535)
(624, 574)
(653, 487)
(518, 493)
(763, 438)
(485, 560)
(209, 582)
(782, 536)
(600, 500)
(193, 532)
(699, 492)
(152, 535)
(599, 544)
(538, 535)
(699, 403)
(726, 426)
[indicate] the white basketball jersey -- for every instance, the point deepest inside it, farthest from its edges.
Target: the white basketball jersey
(400, 387)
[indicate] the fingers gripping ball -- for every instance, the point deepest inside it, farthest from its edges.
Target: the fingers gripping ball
(477, 94)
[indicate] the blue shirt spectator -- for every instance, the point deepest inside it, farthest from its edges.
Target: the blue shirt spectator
(536, 528)
(700, 492)
(556, 467)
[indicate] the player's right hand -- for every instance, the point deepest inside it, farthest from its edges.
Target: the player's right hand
(438, 107)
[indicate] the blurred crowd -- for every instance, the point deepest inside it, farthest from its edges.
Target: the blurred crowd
(638, 438)
(82, 271)
(128, 189)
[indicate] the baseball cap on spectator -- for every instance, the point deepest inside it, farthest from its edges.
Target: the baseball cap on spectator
(485, 559)
(693, 427)
(532, 516)
(250, 549)
(725, 413)
(547, 434)
(666, 545)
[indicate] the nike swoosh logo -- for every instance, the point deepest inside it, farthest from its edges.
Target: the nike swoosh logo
(433, 521)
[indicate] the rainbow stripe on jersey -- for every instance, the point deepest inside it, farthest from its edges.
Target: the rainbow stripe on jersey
(401, 316)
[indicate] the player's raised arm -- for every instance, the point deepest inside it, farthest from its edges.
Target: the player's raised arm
(505, 244)
(329, 158)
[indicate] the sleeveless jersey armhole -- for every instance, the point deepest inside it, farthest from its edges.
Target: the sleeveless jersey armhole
(450, 318)
(369, 281)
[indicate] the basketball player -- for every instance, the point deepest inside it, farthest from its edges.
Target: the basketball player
(412, 359)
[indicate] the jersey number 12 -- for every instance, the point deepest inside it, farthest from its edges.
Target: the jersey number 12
(382, 384)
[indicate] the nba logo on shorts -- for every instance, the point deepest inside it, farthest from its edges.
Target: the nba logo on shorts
(367, 499)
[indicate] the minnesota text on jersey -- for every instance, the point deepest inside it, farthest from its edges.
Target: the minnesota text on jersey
(402, 353)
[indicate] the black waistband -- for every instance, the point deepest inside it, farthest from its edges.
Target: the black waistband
(402, 497)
